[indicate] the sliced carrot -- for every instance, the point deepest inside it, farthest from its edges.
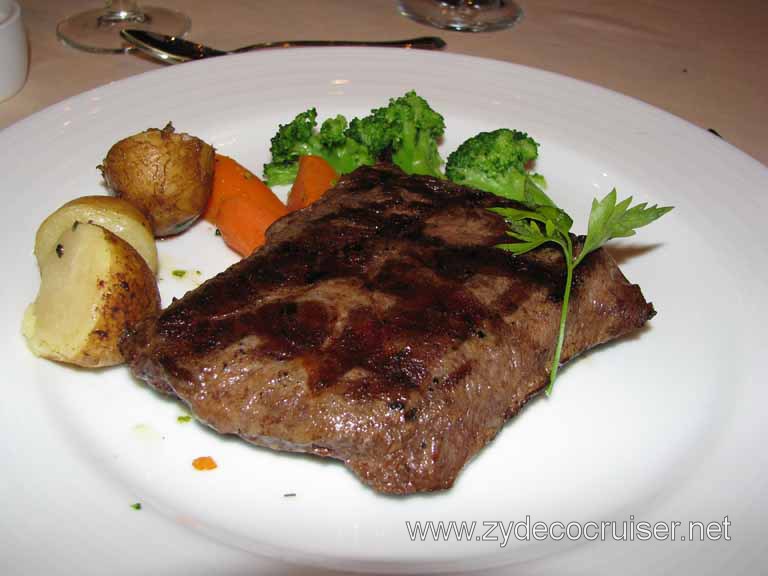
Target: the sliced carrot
(204, 463)
(227, 182)
(243, 222)
(241, 206)
(232, 179)
(315, 177)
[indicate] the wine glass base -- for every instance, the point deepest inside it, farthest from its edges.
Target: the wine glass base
(99, 30)
(463, 16)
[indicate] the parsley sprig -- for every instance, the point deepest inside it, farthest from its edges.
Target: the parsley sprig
(541, 223)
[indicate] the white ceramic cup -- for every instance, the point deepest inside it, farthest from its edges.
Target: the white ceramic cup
(14, 55)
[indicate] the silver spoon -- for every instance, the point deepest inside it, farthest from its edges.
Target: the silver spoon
(172, 49)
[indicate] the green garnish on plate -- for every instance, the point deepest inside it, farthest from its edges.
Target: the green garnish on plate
(539, 224)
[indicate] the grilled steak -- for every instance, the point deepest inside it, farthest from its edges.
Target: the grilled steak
(380, 326)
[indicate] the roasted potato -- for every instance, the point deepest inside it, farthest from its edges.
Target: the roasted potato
(93, 285)
(168, 176)
(116, 215)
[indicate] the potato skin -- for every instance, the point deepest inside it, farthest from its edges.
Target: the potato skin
(116, 215)
(168, 176)
(129, 295)
(93, 287)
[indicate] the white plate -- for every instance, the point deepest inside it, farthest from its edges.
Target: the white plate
(665, 426)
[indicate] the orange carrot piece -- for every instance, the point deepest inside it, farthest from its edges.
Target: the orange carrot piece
(204, 463)
(243, 221)
(241, 206)
(227, 182)
(315, 177)
(231, 179)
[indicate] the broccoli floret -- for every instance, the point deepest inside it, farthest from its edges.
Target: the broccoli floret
(301, 137)
(408, 128)
(497, 162)
(373, 132)
(342, 152)
(276, 174)
(292, 139)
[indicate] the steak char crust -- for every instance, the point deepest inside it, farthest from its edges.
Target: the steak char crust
(380, 326)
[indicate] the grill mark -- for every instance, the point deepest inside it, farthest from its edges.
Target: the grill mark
(424, 276)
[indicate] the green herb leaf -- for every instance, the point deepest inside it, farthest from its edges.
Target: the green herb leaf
(136, 505)
(184, 419)
(608, 220)
(179, 273)
(539, 224)
(533, 194)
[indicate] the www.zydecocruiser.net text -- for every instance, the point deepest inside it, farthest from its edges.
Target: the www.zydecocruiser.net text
(631, 530)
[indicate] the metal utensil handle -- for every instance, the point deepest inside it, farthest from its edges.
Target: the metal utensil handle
(422, 43)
